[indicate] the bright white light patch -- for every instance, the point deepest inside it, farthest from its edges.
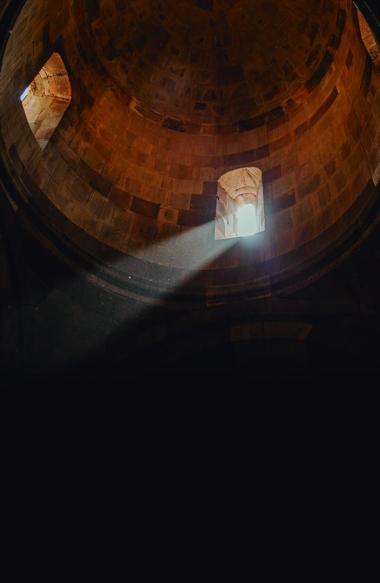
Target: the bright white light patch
(246, 220)
(25, 94)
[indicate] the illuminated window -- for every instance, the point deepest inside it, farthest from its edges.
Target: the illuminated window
(46, 99)
(369, 40)
(240, 206)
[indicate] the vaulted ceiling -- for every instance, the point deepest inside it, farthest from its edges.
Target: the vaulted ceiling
(212, 62)
(168, 95)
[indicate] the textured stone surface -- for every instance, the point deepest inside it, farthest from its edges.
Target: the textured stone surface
(63, 319)
(192, 65)
(47, 99)
(131, 172)
(369, 40)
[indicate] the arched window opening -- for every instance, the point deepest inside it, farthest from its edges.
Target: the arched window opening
(369, 40)
(46, 99)
(240, 205)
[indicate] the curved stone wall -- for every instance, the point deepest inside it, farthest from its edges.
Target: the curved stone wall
(125, 183)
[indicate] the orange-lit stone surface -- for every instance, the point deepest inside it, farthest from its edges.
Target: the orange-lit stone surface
(167, 97)
(47, 98)
(369, 40)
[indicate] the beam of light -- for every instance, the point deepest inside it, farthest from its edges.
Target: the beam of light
(192, 250)
(183, 256)
(246, 221)
(187, 254)
(24, 94)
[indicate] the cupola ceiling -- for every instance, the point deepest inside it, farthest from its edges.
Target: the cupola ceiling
(167, 97)
(211, 61)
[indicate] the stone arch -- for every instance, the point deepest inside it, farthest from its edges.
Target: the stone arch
(47, 98)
